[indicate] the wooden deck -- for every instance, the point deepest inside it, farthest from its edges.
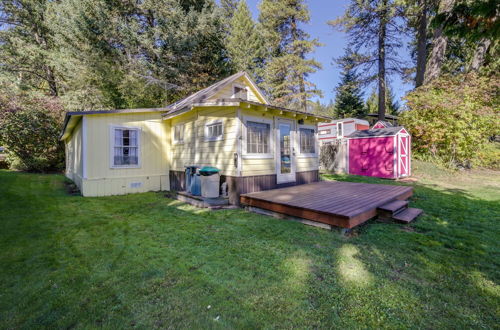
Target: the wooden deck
(343, 204)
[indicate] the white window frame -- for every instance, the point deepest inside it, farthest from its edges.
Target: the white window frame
(183, 133)
(308, 155)
(211, 123)
(325, 131)
(270, 154)
(233, 96)
(112, 129)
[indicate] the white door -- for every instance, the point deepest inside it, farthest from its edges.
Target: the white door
(285, 153)
(404, 154)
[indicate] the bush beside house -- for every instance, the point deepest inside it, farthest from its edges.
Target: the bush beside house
(29, 130)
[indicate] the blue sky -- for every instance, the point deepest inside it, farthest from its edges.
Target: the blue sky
(334, 43)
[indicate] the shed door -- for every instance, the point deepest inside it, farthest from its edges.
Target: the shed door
(404, 154)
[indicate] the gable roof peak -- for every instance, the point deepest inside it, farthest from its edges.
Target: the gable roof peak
(204, 94)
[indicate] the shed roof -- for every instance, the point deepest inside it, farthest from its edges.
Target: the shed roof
(388, 131)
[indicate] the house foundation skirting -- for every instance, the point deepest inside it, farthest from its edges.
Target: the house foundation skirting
(247, 184)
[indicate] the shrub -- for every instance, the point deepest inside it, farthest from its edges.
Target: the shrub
(29, 129)
(452, 118)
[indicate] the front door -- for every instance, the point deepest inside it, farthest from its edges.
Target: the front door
(285, 162)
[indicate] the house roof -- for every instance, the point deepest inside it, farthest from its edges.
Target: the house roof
(71, 118)
(388, 131)
(198, 99)
(203, 95)
(237, 102)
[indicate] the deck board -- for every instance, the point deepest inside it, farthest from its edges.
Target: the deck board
(344, 204)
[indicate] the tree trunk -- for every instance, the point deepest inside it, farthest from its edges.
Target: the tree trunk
(479, 55)
(439, 45)
(301, 77)
(381, 61)
(421, 44)
(51, 79)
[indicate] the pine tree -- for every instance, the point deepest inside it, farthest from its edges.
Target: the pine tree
(229, 8)
(373, 28)
(349, 97)
(287, 67)
(392, 105)
(244, 43)
(26, 43)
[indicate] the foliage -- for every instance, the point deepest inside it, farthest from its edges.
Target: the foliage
(392, 105)
(26, 44)
(29, 129)
(374, 32)
(146, 261)
(318, 108)
(287, 65)
(452, 118)
(328, 156)
(113, 54)
(244, 43)
(349, 97)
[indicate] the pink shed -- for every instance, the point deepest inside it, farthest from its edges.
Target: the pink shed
(382, 152)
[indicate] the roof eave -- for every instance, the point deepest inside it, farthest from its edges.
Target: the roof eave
(238, 103)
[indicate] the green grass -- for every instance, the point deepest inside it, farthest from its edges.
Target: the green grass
(147, 261)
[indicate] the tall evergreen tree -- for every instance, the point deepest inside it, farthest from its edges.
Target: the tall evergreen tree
(26, 44)
(244, 43)
(374, 32)
(349, 97)
(287, 45)
(141, 54)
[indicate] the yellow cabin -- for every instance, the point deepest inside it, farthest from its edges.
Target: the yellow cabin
(229, 125)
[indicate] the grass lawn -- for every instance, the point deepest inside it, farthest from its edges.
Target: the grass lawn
(147, 261)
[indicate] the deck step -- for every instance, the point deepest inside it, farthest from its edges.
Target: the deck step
(393, 207)
(407, 215)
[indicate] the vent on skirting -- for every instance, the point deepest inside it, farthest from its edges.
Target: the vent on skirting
(135, 184)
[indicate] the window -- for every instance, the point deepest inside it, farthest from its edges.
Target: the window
(258, 137)
(179, 133)
(340, 130)
(307, 141)
(325, 131)
(125, 147)
(240, 92)
(214, 131)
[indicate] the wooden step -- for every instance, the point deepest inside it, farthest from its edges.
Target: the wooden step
(407, 215)
(390, 209)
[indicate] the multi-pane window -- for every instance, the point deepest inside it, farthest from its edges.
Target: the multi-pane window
(179, 133)
(214, 131)
(126, 147)
(258, 135)
(240, 93)
(307, 141)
